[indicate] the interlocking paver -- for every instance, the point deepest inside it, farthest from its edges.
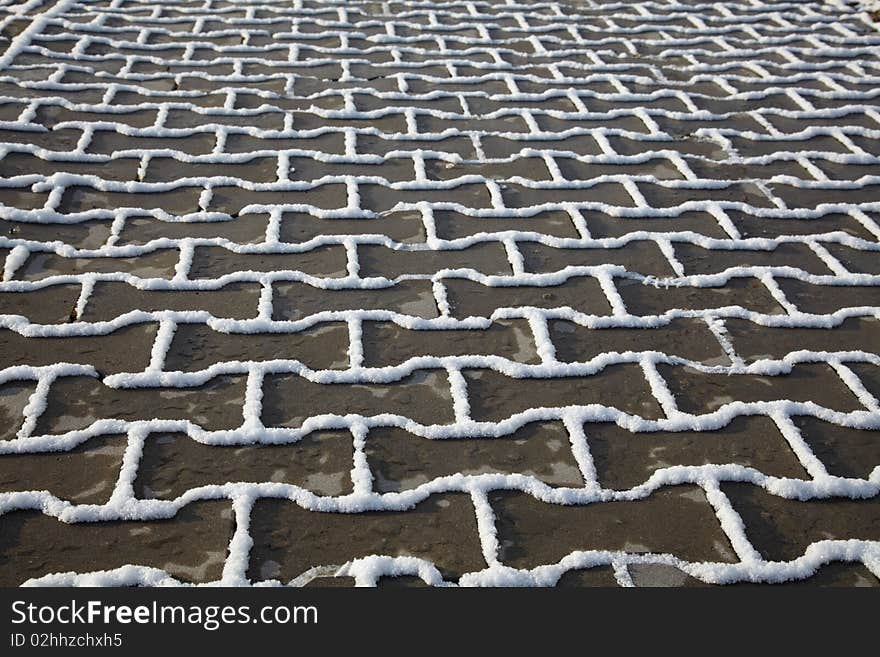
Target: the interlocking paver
(600, 274)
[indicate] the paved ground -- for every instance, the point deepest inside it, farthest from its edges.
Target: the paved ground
(531, 293)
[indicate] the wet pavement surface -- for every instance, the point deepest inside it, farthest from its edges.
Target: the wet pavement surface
(533, 293)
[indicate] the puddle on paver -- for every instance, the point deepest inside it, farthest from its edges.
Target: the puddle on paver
(658, 575)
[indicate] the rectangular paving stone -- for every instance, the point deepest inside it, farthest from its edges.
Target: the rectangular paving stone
(642, 257)
(85, 474)
(288, 399)
(53, 304)
(158, 264)
(603, 225)
(197, 346)
(781, 529)
(489, 258)
(824, 299)
(751, 226)
(472, 299)
(387, 344)
(697, 392)
(112, 299)
(288, 540)
(676, 520)
(190, 546)
(82, 235)
(178, 201)
(752, 341)
(519, 196)
(685, 338)
(298, 300)
(215, 261)
(401, 461)
(697, 260)
(455, 225)
(494, 396)
(234, 200)
(402, 226)
(380, 199)
(172, 464)
(245, 229)
(14, 396)
(624, 459)
(648, 299)
(126, 349)
(75, 402)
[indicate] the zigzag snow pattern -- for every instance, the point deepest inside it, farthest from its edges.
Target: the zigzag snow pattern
(449, 233)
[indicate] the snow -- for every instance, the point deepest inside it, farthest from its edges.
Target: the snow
(123, 504)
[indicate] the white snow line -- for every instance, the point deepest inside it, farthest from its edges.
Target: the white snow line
(486, 526)
(237, 560)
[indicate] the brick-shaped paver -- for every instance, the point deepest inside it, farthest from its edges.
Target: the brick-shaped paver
(538, 293)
